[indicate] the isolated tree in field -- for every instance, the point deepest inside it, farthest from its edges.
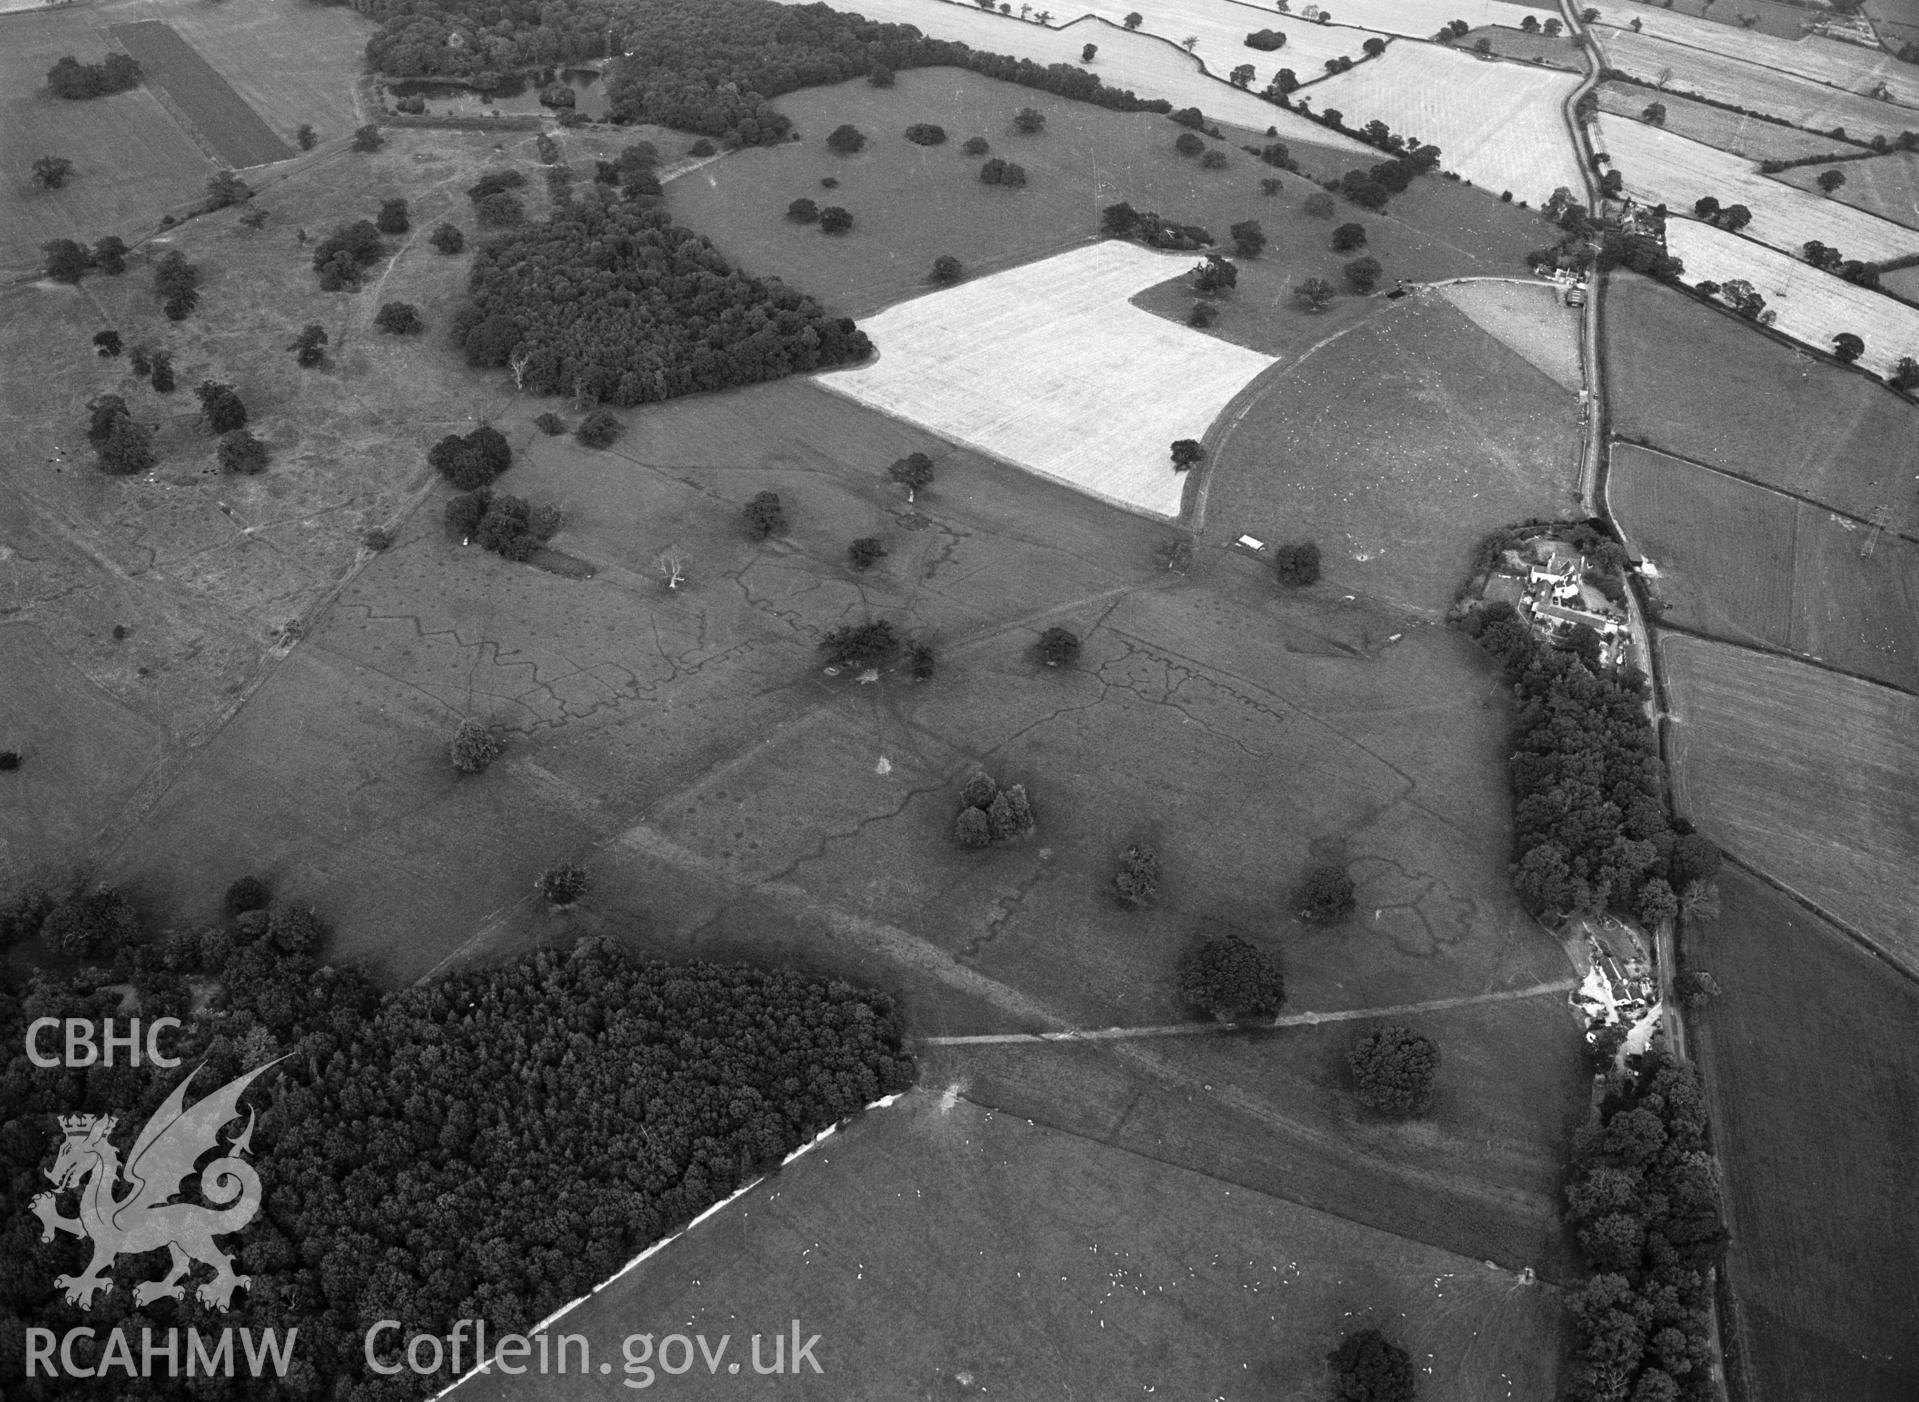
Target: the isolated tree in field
(1242, 76)
(999, 172)
(803, 211)
(1320, 205)
(1830, 180)
(1297, 564)
(473, 747)
(1059, 647)
(106, 344)
(1269, 185)
(110, 255)
(226, 187)
(670, 565)
(393, 217)
(309, 347)
(947, 270)
(1137, 880)
(125, 448)
(1189, 43)
(220, 406)
(1347, 237)
(1367, 1367)
(563, 885)
(919, 661)
(1552, 27)
(398, 319)
(1483, 47)
(913, 472)
(926, 134)
(1706, 207)
(255, 219)
(51, 172)
(1213, 160)
(1393, 1070)
(1847, 348)
(1231, 979)
(835, 220)
(241, 453)
(160, 371)
(471, 460)
(1029, 121)
(1215, 274)
(846, 139)
(1187, 453)
(1248, 238)
(861, 647)
(1189, 143)
(1905, 375)
(1118, 220)
(1654, 114)
(600, 428)
(367, 139)
(1086, 53)
(1362, 275)
(447, 238)
(1373, 48)
(764, 516)
(865, 553)
(1314, 293)
(67, 261)
(1732, 218)
(977, 146)
(1135, 20)
(1325, 896)
(1530, 24)
(305, 137)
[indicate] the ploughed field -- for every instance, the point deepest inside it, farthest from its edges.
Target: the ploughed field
(233, 131)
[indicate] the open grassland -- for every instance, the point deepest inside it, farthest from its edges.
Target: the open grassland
(1736, 132)
(233, 133)
(1497, 124)
(1148, 65)
(293, 64)
(1812, 306)
(1531, 319)
(1895, 21)
(1396, 447)
(132, 163)
(82, 751)
(1746, 563)
(1684, 377)
(1851, 67)
(1221, 27)
(1555, 51)
(911, 204)
(1800, 101)
(1664, 168)
(1780, 18)
(1421, 19)
(1805, 774)
(1017, 1260)
(1887, 186)
(1048, 367)
(1811, 1068)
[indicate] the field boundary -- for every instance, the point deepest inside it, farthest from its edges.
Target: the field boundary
(1851, 932)
(1754, 482)
(1786, 655)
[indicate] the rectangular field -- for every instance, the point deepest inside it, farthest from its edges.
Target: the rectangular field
(234, 131)
(132, 162)
(1421, 19)
(1662, 167)
(1150, 66)
(1555, 51)
(1736, 132)
(1776, 17)
(1812, 1075)
(1746, 563)
(1497, 124)
(1800, 101)
(1047, 367)
(1812, 306)
(1810, 776)
(1887, 186)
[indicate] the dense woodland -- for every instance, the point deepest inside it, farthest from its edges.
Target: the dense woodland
(700, 65)
(620, 305)
(487, 1146)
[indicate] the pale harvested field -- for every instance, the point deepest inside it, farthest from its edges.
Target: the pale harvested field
(1887, 186)
(1797, 100)
(1813, 306)
(1496, 124)
(1221, 26)
(1849, 66)
(1806, 774)
(1663, 168)
(1148, 65)
(1750, 137)
(1531, 319)
(1422, 18)
(1048, 368)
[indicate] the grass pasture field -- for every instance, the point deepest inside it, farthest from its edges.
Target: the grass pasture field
(1811, 306)
(1662, 167)
(1150, 66)
(1745, 136)
(1381, 446)
(132, 162)
(1745, 563)
(1800, 101)
(1779, 18)
(1022, 1261)
(1221, 27)
(1557, 51)
(1421, 19)
(1529, 318)
(233, 132)
(1804, 774)
(1886, 186)
(1496, 124)
(1849, 67)
(1777, 416)
(1811, 1071)
(1048, 367)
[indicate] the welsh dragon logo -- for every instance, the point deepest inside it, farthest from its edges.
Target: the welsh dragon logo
(144, 1217)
